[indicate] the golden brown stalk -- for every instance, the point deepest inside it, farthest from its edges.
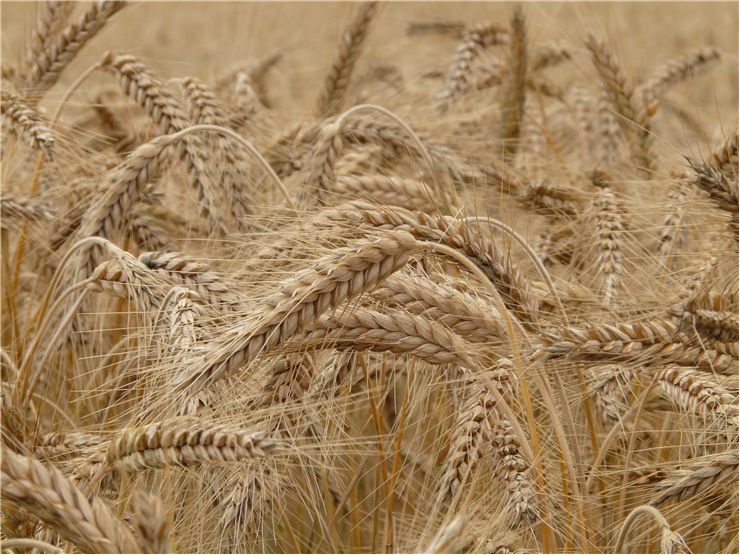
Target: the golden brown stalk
(337, 80)
(186, 441)
(715, 469)
(301, 300)
(512, 109)
(151, 524)
(20, 120)
(675, 71)
(460, 73)
(205, 109)
(48, 495)
(141, 85)
(670, 541)
(48, 67)
(14, 210)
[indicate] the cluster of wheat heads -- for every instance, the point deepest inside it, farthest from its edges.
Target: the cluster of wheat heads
(504, 321)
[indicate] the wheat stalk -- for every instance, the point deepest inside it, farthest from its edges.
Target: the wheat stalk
(512, 110)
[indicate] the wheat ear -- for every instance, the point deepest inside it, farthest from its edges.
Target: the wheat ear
(14, 210)
(337, 80)
(186, 441)
(48, 67)
(460, 73)
(720, 468)
(151, 524)
(22, 121)
(301, 300)
(53, 499)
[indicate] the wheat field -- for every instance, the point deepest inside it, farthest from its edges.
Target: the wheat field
(369, 277)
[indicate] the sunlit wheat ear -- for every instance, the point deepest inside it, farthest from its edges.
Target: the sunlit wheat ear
(675, 71)
(704, 473)
(713, 314)
(695, 391)
(719, 178)
(186, 441)
(52, 498)
(180, 269)
(673, 232)
(15, 210)
(20, 120)
(633, 117)
(142, 86)
(51, 19)
(459, 311)
(205, 108)
(620, 341)
(608, 229)
(336, 82)
(670, 541)
(459, 74)
(48, 66)
(609, 389)
(301, 300)
(152, 525)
